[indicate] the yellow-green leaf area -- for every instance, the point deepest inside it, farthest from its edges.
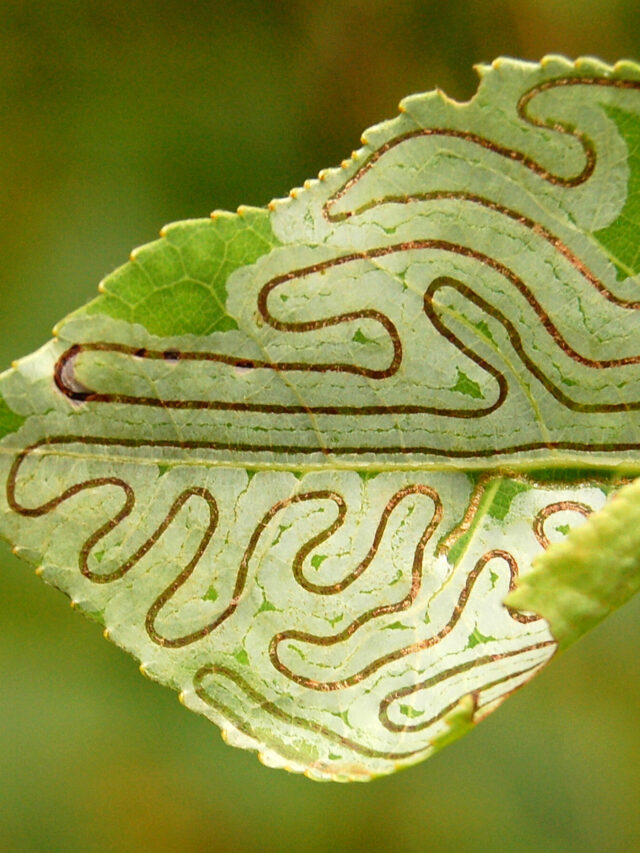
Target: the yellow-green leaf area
(178, 284)
(10, 421)
(622, 237)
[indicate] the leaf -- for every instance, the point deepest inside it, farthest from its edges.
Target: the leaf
(295, 459)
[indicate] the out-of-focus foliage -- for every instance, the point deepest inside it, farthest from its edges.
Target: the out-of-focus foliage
(117, 118)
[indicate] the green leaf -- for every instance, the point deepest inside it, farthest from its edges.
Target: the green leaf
(10, 421)
(179, 284)
(295, 459)
(620, 238)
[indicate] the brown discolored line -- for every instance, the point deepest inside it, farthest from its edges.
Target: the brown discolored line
(243, 569)
(301, 555)
(411, 649)
(406, 602)
(49, 506)
(339, 586)
(511, 154)
(67, 358)
(559, 506)
(501, 150)
(146, 546)
(467, 136)
(243, 447)
(274, 710)
(518, 283)
(498, 553)
(604, 82)
(123, 513)
(348, 317)
(278, 713)
(173, 587)
(445, 545)
(516, 342)
(64, 364)
(434, 680)
(478, 493)
(525, 221)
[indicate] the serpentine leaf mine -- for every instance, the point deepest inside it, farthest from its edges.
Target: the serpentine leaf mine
(294, 459)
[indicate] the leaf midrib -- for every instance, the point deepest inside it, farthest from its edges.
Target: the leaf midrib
(576, 464)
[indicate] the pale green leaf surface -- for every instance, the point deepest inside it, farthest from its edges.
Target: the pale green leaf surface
(294, 459)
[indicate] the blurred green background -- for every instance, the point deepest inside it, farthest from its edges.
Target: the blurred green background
(117, 117)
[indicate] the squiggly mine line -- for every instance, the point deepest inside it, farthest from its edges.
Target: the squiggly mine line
(488, 477)
(398, 607)
(64, 366)
(297, 567)
(511, 154)
(551, 509)
(64, 369)
(243, 570)
(302, 553)
(515, 339)
(53, 442)
(123, 513)
(525, 221)
(490, 669)
(436, 680)
(277, 712)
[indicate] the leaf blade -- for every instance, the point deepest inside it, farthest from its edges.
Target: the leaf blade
(294, 459)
